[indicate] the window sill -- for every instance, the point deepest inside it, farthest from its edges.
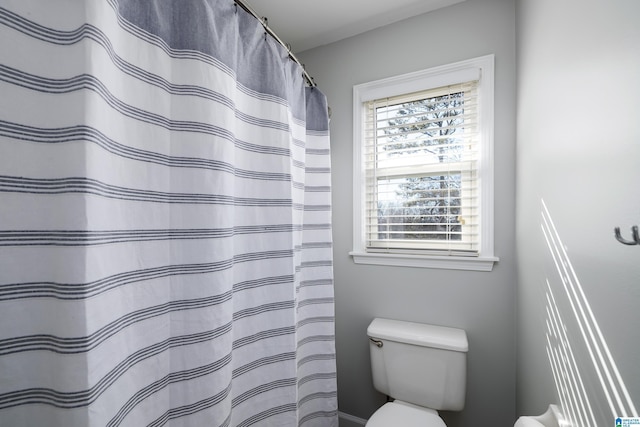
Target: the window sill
(426, 261)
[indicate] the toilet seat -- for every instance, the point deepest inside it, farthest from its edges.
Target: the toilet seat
(404, 414)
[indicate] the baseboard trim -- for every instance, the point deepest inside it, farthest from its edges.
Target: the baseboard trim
(350, 419)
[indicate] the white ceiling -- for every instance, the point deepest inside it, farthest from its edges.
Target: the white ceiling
(305, 24)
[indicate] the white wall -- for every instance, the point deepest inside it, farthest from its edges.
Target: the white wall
(481, 303)
(578, 150)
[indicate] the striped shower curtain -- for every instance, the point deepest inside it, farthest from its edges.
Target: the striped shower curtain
(165, 236)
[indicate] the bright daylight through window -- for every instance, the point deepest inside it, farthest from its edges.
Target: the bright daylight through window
(424, 168)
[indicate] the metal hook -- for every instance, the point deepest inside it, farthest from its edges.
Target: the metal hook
(634, 233)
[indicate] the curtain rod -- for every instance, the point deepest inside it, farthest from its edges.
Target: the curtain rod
(265, 24)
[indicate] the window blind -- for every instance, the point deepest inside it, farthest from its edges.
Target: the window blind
(421, 155)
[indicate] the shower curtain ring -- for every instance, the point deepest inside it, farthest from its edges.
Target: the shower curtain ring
(265, 24)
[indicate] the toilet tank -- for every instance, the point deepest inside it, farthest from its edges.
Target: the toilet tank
(418, 363)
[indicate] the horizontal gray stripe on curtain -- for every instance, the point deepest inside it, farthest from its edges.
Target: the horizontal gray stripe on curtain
(165, 220)
(242, 47)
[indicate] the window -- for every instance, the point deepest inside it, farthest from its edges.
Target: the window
(423, 168)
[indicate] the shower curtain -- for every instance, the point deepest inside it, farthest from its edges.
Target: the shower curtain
(165, 233)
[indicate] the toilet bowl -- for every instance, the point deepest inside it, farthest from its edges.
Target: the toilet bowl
(421, 367)
(404, 414)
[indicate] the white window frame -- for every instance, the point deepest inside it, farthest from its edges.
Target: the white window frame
(481, 68)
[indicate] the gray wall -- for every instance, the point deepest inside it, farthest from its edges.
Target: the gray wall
(578, 150)
(481, 303)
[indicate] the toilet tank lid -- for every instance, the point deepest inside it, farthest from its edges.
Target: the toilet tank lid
(419, 334)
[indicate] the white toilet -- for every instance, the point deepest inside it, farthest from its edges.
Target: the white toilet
(422, 367)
